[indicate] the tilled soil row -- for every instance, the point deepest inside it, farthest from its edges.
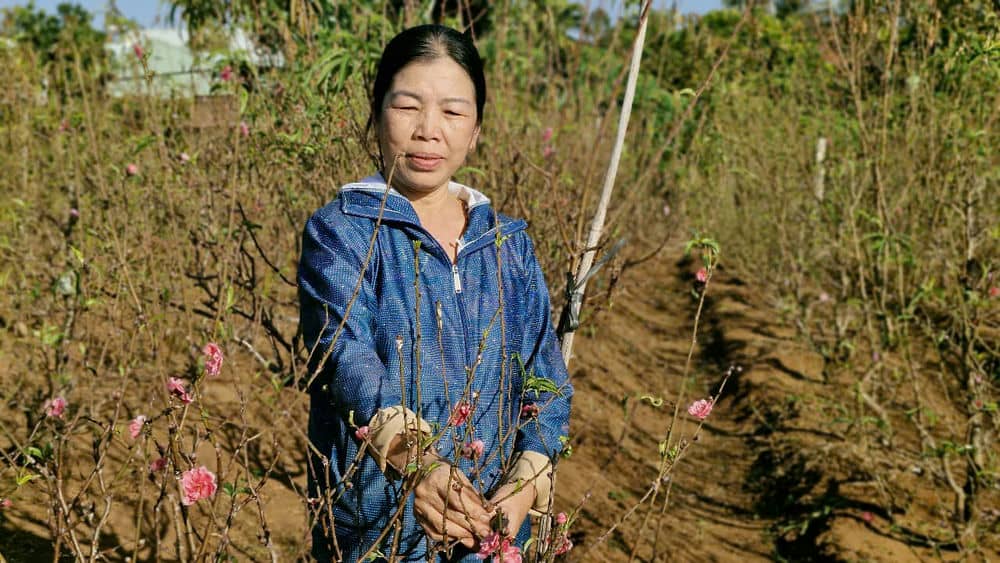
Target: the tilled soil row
(768, 479)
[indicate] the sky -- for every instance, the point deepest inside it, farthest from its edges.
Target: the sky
(153, 13)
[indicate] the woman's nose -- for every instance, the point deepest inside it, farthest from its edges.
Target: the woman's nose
(428, 125)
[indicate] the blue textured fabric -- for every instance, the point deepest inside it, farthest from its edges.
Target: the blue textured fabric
(373, 363)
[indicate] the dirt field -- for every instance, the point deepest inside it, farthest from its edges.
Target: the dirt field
(772, 477)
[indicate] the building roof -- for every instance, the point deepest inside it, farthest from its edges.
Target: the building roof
(176, 69)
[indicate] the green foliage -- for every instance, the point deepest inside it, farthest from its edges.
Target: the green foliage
(46, 33)
(304, 25)
(61, 41)
(534, 383)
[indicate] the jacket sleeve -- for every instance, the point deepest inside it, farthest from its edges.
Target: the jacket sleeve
(333, 254)
(538, 441)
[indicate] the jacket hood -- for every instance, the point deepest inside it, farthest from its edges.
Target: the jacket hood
(364, 199)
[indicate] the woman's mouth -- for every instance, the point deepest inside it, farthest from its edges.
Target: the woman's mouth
(424, 161)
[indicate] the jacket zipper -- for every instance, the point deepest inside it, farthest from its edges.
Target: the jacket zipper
(456, 278)
(461, 312)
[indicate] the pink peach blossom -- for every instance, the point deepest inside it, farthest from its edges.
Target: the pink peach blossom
(135, 426)
(244, 129)
(488, 545)
(227, 73)
(176, 388)
(460, 414)
(138, 50)
(509, 553)
(701, 275)
(547, 135)
(700, 409)
(563, 545)
(132, 169)
(529, 410)
(561, 518)
(5, 503)
(55, 407)
(213, 359)
(867, 516)
(197, 484)
(548, 151)
(362, 433)
(74, 213)
(473, 449)
(157, 465)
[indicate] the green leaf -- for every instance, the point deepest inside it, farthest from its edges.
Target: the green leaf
(143, 143)
(50, 335)
(617, 495)
(656, 402)
(77, 253)
(471, 170)
(567, 448)
(541, 385)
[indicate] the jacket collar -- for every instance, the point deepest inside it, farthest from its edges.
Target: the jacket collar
(364, 198)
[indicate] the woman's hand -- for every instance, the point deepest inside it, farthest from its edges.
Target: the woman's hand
(515, 504)
(448, 507)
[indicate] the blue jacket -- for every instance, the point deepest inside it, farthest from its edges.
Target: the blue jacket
(374, 361)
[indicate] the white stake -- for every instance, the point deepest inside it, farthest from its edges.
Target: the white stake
(597, 225)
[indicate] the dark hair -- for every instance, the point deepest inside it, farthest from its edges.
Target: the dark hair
(426, 43)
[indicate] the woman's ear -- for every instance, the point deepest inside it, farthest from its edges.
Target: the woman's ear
(475, 139)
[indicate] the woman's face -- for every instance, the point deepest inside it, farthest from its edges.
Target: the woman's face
(429, 121)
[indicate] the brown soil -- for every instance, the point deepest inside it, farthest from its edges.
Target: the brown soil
(772, 477)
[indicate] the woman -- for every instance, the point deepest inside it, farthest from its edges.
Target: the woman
(427, 318)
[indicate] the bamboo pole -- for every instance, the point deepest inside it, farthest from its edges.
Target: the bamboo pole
(819, 185)
(597, 224)
(596, 229)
